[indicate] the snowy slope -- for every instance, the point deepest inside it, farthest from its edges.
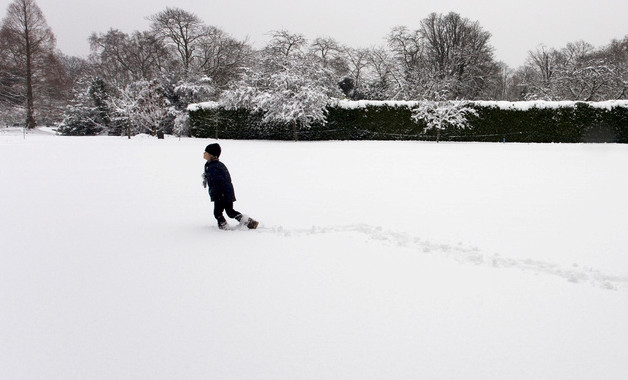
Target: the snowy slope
(375, 260)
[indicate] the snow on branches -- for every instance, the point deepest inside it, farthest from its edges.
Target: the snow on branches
(439, 114)
(141, 107)
(287, 89)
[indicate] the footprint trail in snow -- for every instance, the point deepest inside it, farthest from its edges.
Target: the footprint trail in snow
(463, 254)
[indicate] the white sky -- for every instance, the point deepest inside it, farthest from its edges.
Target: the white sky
(516, 26)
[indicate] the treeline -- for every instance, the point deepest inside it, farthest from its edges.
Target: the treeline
(142, 82)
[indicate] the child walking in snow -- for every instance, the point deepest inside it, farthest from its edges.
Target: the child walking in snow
(221, 190)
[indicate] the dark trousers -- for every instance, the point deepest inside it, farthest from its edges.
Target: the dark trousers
(220, 206)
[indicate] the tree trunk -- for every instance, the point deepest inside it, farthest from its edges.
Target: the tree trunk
(30, 119)
(295, 132)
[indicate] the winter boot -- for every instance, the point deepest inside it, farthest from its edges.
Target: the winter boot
(252, 224)
(222, 224)
(247, 221)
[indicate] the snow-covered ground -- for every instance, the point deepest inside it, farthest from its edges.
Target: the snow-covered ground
(374, 260)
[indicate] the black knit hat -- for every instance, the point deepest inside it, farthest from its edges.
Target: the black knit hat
(213, 149)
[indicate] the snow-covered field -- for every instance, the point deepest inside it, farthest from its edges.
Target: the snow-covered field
(374, 260)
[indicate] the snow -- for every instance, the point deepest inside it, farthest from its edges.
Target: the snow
(204, 105)
(374, 260)
(355, 104)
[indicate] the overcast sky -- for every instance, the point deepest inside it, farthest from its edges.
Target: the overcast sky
(516, 26)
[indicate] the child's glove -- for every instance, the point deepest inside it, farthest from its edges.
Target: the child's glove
(204, 181)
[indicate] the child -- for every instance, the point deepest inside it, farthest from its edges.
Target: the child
(221, 191)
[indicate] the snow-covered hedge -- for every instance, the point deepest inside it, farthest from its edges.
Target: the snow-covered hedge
(538, 121)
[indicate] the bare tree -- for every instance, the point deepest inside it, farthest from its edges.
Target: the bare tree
(504, 84)
(583, 75)
(108, 57)
(542, 65)
(10, 93)
(148, 57)
(458, 48)
(576, 72)
(358, 60)
(221, 57)
(616, 55)
(446, 53)
(183, 29)
(414, 78)
(30, 43)
(326, 49)
(385, 76)
(331, 55)
(74, 67)
(123, 58)
(284, 43)
(53, 90)
(406, 46)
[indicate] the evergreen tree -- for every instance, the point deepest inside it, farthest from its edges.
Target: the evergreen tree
(90, 111)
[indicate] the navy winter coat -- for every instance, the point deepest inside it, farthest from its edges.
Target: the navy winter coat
(219, 182)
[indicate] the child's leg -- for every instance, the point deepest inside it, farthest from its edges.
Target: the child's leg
(245, 220)
(219, 207)
(233, 214)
